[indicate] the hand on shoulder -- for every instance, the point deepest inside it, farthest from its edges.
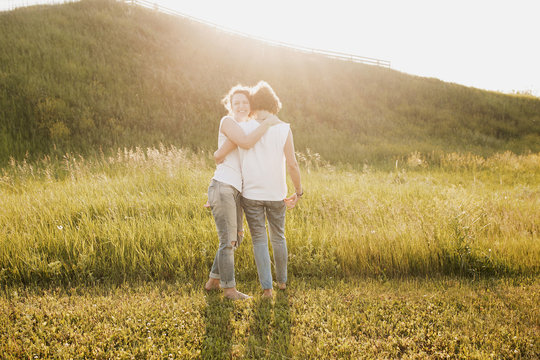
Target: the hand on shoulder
(272, 120)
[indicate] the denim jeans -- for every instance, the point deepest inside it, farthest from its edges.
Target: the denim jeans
(256, 211)
(226, 208)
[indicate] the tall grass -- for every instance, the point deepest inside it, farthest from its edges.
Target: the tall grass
(101, 74)
(139, 215)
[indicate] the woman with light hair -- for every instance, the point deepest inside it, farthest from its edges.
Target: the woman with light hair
(226, 186)
(264, 192)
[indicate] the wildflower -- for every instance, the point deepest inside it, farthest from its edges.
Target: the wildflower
(60, 227)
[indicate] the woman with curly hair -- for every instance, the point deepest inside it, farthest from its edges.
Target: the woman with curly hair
(225, 189)
(264, 192)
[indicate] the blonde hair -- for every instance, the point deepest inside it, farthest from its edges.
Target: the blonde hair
(238, 89)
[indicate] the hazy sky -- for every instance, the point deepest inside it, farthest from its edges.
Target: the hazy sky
(486, 44)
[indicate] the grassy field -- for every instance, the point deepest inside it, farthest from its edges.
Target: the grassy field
(105, 257)
(418, 236)
(139, 216)
(431, 318)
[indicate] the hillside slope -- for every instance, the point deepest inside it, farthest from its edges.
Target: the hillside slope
(100, 74)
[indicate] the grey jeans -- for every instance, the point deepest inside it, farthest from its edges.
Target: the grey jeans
(226, 208)
(256, 213)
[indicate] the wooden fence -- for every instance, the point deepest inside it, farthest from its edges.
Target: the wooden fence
(327, 53)
(12, 4)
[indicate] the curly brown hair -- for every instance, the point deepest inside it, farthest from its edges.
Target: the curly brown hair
(263, 97)
(238, 89)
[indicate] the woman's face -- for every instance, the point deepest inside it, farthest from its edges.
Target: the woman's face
(240, 106)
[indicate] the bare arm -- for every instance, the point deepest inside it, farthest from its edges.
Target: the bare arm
(235, 133)
(223, 151)
(292, 164)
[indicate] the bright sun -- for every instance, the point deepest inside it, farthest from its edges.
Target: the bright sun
(483, 43)
(477, 43)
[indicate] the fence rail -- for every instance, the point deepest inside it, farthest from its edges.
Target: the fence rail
(327, 53)
(12, 4)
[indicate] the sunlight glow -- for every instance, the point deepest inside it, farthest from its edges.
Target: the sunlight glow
(488, 44)
(485, 44)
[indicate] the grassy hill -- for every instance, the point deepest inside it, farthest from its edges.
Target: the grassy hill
(96, 75)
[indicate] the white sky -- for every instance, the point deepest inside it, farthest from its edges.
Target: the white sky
(492, 45)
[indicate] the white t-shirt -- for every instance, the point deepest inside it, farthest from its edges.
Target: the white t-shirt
(229, 171)
(263, 166)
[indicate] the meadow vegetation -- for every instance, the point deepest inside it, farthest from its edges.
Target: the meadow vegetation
(106, 257)
(418, 236)
(138, 215)
(331, 319)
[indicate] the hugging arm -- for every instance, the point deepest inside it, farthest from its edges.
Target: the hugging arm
(223, 151)
(235, 133)
(237, 137)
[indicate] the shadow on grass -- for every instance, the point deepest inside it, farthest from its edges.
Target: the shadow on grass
(270, 330)
(217, 342)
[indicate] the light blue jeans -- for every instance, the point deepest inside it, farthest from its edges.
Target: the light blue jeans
(256, 212)
(226, 208)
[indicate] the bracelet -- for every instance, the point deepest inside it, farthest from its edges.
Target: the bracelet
(300, 195)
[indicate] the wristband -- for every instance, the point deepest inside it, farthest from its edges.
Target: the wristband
(300, 195)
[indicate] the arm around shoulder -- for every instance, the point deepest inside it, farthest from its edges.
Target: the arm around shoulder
(235, 133)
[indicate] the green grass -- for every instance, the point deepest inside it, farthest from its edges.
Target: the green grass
(429, 318)
(106, 257)
(418, 236)
(139, 216)
(100, 74)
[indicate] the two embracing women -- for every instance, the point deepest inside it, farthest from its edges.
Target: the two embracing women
(256, 149)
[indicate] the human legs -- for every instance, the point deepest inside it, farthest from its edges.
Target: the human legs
(223, 200)
(239, 222)
(275, 212)
(255, 215)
